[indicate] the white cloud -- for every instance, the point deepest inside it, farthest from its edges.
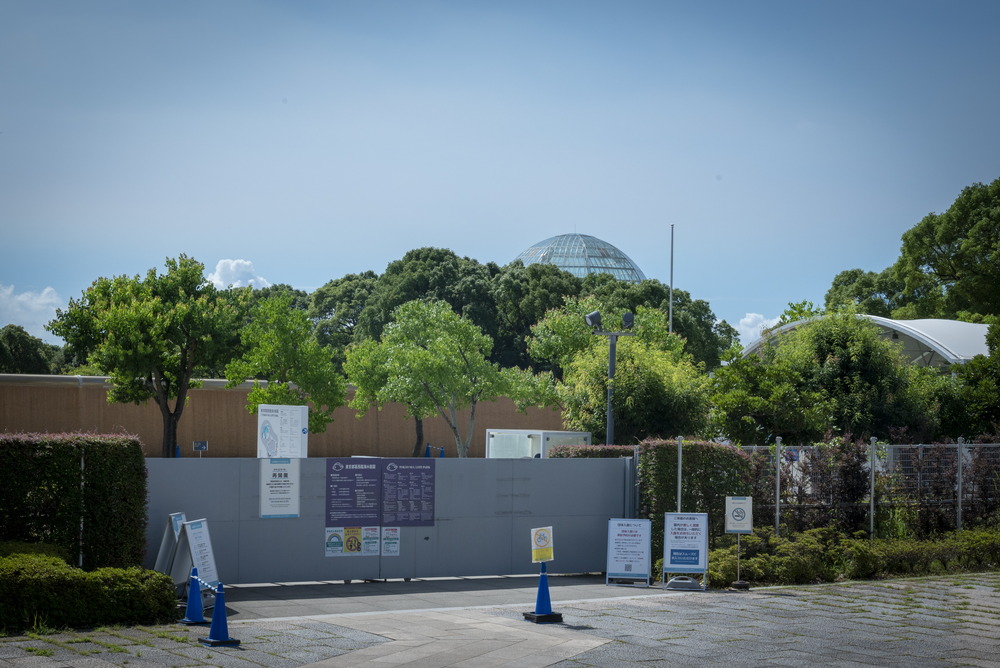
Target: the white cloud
(751, 325)
(236, 273)
(31, 310)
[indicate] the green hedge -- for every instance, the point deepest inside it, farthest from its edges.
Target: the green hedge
(711, 472)
(53, 481)
(825, 555)
(38, 590)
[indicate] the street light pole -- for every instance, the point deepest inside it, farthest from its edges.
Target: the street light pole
(612, 359)
(594, 320)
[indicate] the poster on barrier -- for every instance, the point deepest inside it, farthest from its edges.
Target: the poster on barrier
(279, 488)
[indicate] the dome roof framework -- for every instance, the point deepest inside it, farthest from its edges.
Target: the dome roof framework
(581, 254)
(927, 342)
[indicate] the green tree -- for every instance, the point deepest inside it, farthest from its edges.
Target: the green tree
(522, 296)
(657, 392)
(150, 334)
(756, 399)
(659, 389)
(865, 292)
(335, 308)
(958, 251)
(435, 362)
(980, 389)
(705, 338)
(835, 375)
(299, 298)
(434, 274)
(21, 352)
(281, 349)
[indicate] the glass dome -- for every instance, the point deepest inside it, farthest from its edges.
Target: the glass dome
(581, 254)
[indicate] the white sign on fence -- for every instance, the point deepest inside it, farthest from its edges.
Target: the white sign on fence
(282, 431)
(279, 488)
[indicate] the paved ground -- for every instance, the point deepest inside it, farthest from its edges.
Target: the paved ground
(478, 623)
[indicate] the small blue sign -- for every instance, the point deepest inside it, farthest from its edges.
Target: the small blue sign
(684, 557)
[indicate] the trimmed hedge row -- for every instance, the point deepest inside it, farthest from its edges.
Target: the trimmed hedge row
(38, 590)
(825, 555)
(52, 482)
(711, 472)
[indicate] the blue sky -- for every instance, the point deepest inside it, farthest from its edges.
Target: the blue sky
(296, 142)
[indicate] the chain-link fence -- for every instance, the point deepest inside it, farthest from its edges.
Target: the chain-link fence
(912, 490)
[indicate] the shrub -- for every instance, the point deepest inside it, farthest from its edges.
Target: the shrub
(54, 484)
(42, 589)
(825, 555)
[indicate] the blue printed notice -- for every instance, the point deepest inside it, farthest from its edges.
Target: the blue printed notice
(685, 557)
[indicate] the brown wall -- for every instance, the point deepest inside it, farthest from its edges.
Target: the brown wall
(78, 403)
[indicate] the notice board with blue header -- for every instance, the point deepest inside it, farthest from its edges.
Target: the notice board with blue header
(685, 543)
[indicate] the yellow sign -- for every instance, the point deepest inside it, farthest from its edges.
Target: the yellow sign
(541, 545)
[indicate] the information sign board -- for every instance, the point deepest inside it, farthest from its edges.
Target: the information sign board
(685, 543)
(408, 492)
(282, 431)
(194, 548)
(279, 488)
(628, 551)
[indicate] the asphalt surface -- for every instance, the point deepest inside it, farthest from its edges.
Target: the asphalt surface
(479, 623)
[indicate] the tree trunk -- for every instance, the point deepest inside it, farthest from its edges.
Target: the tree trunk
(419, 445)
(169, 435)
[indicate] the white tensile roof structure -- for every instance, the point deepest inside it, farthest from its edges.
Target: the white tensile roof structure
(928, 342)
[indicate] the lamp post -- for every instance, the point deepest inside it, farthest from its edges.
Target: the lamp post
(594, 321)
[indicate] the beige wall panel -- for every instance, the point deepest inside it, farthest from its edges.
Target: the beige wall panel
(66, 404)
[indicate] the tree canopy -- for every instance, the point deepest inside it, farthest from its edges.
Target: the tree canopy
(150, 334)
(659, 390)
(834, 374)
(433, 361)
(949, 266)
(21, 352)
(280, 348)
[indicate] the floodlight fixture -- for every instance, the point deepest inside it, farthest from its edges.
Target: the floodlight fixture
(593, 319)
(628, 319)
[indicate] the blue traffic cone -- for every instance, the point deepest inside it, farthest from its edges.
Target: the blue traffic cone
(194, 613)
(543, 605)
(218, 634)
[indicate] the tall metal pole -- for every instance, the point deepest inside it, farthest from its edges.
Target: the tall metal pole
(871, 490)
(960, 457)
(777, 485)
(612, 354)
(671, 310)
(680, 450)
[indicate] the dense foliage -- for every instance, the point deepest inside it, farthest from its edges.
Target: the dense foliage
(834, 375)
(826, 555)
(948, 266)
(280, 348)
(151, 334)
(38, 590)
(21, 352)
(81, 492)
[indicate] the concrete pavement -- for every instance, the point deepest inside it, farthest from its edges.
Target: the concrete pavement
(478, 623)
